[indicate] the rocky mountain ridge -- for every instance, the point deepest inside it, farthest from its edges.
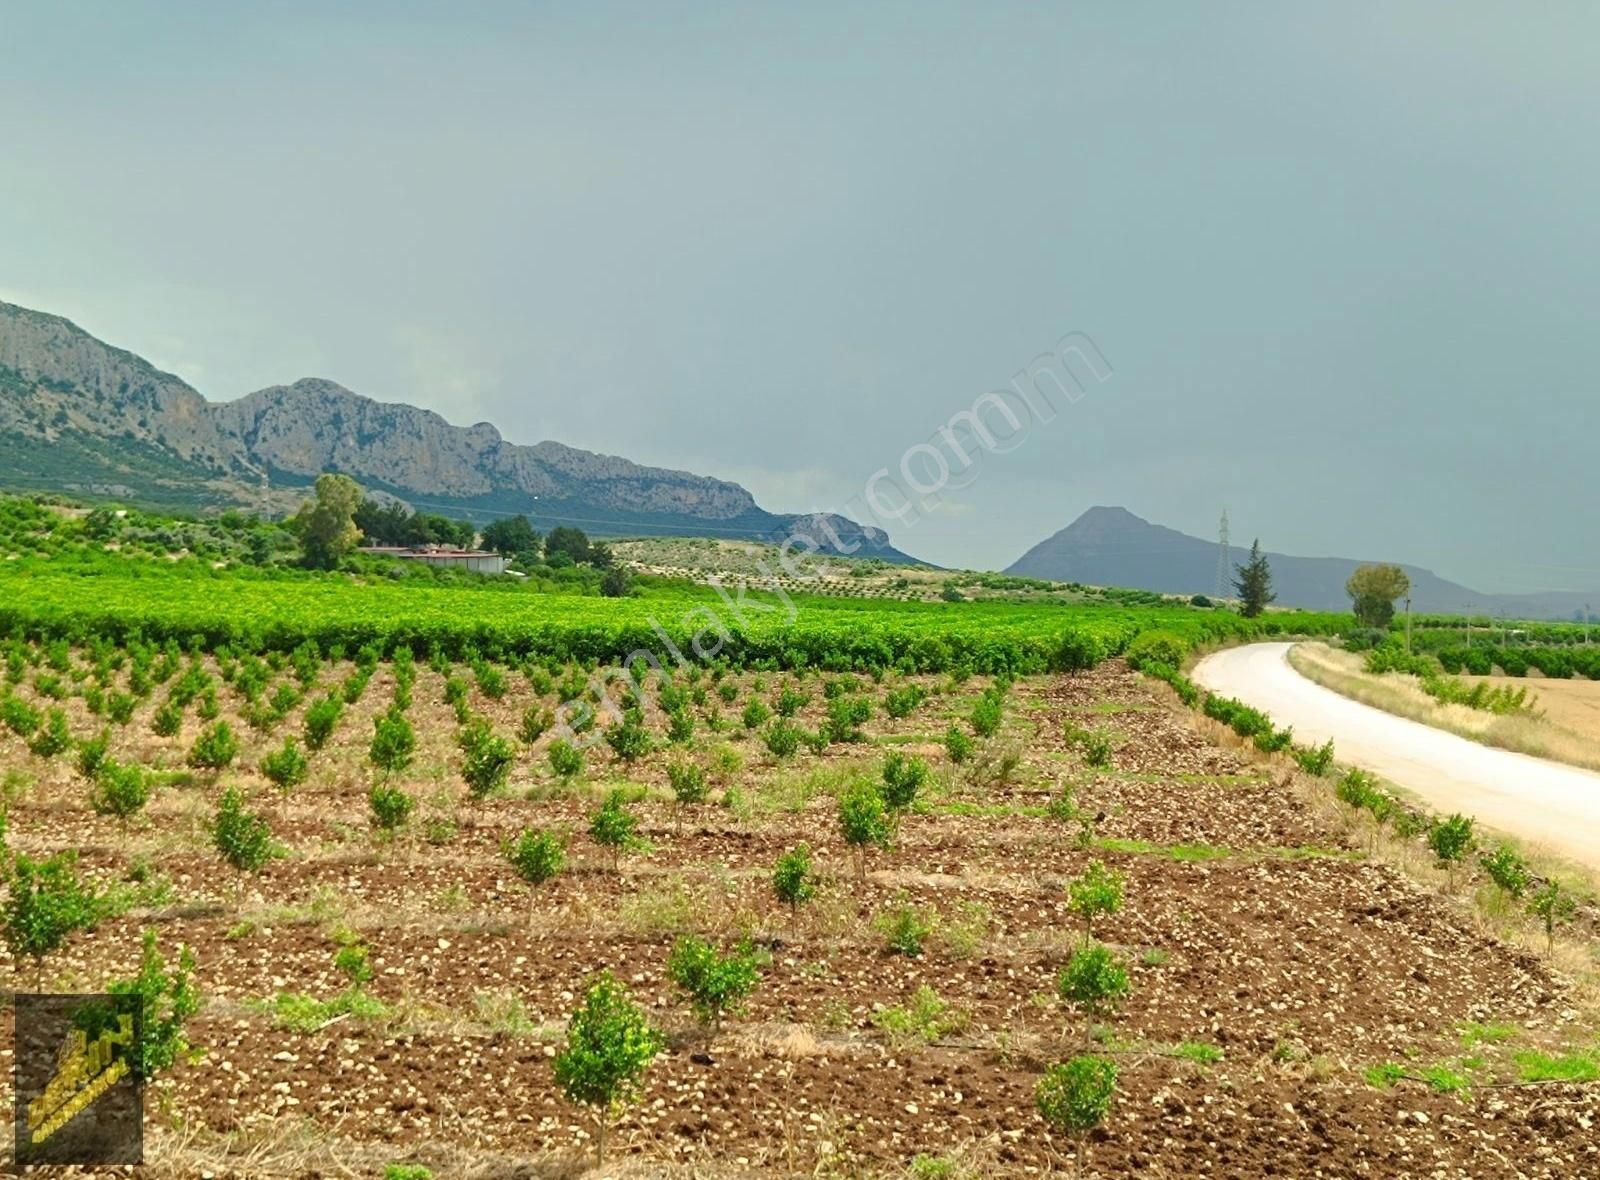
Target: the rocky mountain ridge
(79, 415)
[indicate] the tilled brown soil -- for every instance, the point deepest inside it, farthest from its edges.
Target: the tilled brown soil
(1251, 924)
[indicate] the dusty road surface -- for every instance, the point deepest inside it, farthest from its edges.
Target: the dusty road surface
(1544, 803)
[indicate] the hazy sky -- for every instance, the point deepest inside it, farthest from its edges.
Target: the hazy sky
(1343, 258)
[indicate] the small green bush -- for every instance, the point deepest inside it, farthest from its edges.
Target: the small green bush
(903, 777)
(957, 744)
(863, 821)
(286, 768)
(610, 1043)
(389, 807)
(242, 837)
(215, 748)
(905, 927)
(1096, 893)
(565, 759)
(394, 742)
(614, 827)
(715, 983)
(793, 880)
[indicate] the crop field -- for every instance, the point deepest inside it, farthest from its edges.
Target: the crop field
(984, 877)
(736, 626)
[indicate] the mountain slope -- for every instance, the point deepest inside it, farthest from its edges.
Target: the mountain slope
(1113, 547)
(79, 415)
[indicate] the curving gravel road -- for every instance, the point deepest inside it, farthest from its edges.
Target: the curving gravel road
(1543, 803)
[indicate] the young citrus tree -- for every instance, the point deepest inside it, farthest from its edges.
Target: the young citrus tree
(1553, 906)
(242, 837)
(47, 902)
(119, 790)
(610, 1043)
(793, 880)
(1451, 839)
(688, 786)
(166, 1002)
(488, 759)
(394, 742)
(615, 828)
(863, 821)
(1096, 893)
(1094, 981)
(715, 983)
(1074, 1098)
(536, 857)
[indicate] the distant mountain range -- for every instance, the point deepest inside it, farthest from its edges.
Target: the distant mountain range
(79, 416)
(1113, 547)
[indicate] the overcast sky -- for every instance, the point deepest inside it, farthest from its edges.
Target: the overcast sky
(1343, 259)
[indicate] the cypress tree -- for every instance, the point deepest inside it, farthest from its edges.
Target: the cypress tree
(1254, 583)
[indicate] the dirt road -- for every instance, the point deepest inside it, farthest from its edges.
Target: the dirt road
(1543, 803)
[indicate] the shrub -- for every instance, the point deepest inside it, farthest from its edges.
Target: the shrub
(389, 807)
(166, 1002)
(628, 738)
(715, 983)
(47, 902)
(789, 701)
(286, 768)
(615, 828)
(353, 962)
(1097, 747)
(688, 785)
(20, 717)
(242, 837)
(610, 1043)
(488, 759)
(927, 1018)
(167, 720)
(536, 856)
(321, 718)
(793, 880)
(1094, 981)
(1507, 870)
(1317, 760)
(987, 714)
(394, 742)
(1274, 741)
(119, 707)
(215, 748)
(536, 720)
(957, 744)
(680, 726)
(119, 790)
(863, 820)
(755, 714)
(905, 927)
(1356, 789)
(53, 737)
(902, 702)
(903, 777)
(1097, 892)
(781, 738)
(92, 754)
(1451, 840)
(1075, 1098)
(1553, 906)
(846, 716)
(1076, 651)
(1156, 647)
(566, 760)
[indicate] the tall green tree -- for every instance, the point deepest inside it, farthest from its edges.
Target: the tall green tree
(511, 537)
(574, 543)
(1373, 590)
(326, 523)
(1254, 583)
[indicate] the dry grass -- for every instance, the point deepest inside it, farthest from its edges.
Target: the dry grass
(1545, 733)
